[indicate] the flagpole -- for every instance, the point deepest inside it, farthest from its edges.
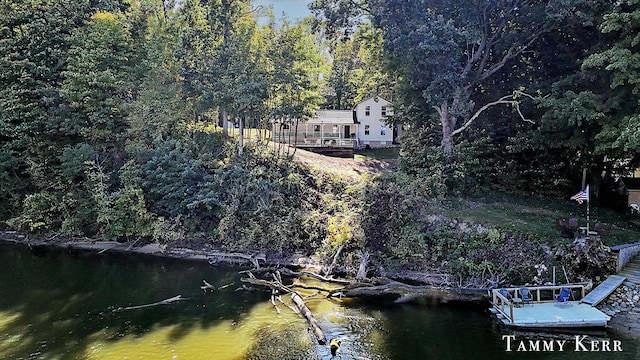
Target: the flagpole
(588, 218)
(583, 196)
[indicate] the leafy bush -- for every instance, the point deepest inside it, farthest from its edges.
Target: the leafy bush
(39, 213)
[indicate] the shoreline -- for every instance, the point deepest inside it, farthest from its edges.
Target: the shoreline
(624, 323)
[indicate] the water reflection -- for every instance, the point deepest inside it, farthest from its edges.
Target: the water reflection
(58, 304)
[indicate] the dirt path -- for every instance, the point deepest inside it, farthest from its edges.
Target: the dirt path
(349, 168)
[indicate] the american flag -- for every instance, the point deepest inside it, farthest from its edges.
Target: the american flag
(582, 196)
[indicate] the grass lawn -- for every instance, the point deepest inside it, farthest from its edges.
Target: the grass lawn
(536, 215)
(376, 154)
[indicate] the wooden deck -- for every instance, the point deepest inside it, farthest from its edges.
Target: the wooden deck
(544, 311)
(556, 315)
(603, 290)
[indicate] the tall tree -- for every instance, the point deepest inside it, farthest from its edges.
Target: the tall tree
(98, 81)
(621, 62)
(444, 52)
(33, 55)
(341, 87)
(337, 19)
(371, 77)
(546, 156)
(296, 68)
(213, 34)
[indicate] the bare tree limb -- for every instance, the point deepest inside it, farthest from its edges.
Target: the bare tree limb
(163, 302)
(505, 100)
(278, 286)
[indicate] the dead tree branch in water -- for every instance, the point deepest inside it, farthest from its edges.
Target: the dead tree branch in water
(163, 302)
(291, 273)
(278, 287)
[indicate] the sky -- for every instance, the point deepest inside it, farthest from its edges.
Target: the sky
(294, 9)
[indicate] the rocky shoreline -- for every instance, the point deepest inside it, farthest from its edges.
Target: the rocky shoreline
(623, 305)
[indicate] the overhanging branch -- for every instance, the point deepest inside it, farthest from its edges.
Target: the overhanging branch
(505, 100)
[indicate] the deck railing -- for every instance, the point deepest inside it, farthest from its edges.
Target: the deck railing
(315, 141)
(546, 293)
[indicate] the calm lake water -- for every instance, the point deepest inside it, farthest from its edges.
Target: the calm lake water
(60, 304)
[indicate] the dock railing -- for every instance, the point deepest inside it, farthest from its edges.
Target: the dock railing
(545, 293)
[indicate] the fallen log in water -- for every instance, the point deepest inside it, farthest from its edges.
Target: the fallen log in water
(404, 293)
(384, 287)
(288, 272)
(163, 302)
(230, 257)
(278, 286)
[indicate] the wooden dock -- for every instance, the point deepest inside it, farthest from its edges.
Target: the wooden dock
(544, 311)
(603, 290)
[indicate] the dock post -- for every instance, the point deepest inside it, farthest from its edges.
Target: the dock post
(511, 312)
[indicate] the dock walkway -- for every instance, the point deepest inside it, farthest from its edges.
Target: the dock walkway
(603, 290)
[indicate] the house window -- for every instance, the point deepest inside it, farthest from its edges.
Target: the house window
(367, 110)
(366, 129)
(316, 128)
(384, 111)
(383, 130)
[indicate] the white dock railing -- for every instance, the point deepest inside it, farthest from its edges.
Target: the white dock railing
(546, 293)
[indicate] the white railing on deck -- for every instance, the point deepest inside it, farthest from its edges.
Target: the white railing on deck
(549, 291)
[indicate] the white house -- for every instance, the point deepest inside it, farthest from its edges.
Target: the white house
(362, 127)
(372, 131)
(329, 129)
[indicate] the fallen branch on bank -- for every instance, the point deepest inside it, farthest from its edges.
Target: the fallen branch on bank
(163, 302)
(229, 257)
(335, 261)
(404, 293)
(277, 288)
(362, 269)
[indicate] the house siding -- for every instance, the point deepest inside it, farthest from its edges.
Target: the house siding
(331, 128)
(372, 131)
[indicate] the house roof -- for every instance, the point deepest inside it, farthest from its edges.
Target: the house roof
(374, 98)
(332, 117)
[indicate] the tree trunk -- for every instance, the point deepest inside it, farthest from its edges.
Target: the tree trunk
(241, 137)
(223, 115)
(448, 123)
(448, 142)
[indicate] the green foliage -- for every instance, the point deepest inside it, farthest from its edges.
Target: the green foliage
(121, 211)
(98, 80)
(341, 87)
(339, 231)
(463, 172)
(264, 207)
(295, 73)
(74, 160)
(450, 76)
(11, 182)
(39, 213)
(619, 64)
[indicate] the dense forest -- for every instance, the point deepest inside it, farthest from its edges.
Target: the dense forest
(124, 119)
